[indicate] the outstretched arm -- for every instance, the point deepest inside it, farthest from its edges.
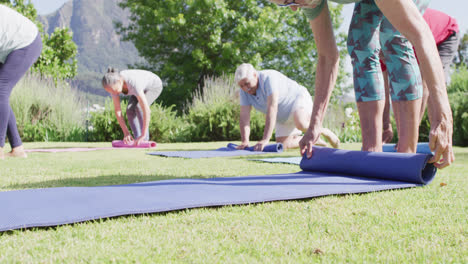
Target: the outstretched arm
(327, 71)
(244, 125)
(118, 113)
(270, 121)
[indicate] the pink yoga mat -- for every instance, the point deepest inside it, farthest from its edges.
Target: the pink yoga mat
(121, 144)
(55, 150)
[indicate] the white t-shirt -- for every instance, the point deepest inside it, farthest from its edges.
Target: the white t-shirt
(270, 81)
(139, 81)
(16, 31)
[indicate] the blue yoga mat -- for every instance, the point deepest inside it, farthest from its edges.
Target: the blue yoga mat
(421, 148)
(228, 151)
(286, 160)
(330, 171)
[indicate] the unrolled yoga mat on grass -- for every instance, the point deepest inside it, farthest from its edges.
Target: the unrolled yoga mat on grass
(115, 144)
(330, 171)
(228, 151)
(59, 150)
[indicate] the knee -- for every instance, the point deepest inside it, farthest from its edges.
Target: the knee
(131, 111)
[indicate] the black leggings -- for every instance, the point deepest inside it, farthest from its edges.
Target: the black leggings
(16, 65)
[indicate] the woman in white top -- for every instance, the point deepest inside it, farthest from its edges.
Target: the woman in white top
(144, 88)
(20, 46)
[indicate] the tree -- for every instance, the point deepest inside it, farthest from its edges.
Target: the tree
(185, 41)
(462, 51)
(58, 56)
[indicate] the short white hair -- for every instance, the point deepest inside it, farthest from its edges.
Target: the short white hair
(245, 70)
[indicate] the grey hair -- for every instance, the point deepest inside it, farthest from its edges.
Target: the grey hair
(245, 70)
(111, 77)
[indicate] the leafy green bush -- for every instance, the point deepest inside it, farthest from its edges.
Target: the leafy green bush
(460, 120)
(47, 112)
(215, 112)
(459, 80)
(165, 125)
(104, 125)
(459, 105)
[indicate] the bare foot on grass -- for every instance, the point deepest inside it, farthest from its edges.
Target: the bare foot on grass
(17, 152)
(331, 138)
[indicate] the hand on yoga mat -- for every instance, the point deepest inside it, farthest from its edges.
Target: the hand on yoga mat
(308, 141)
(128, 139)
(440, 141)
(243, 145)
(260, 145)
(139, 140)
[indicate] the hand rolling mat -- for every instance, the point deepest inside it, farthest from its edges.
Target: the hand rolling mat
(228, 151)
(330, 171)
(145, 144)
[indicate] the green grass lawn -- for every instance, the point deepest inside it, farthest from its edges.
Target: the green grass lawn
(418, 225)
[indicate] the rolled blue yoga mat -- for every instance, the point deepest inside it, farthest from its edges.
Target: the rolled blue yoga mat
(330, 171)
(421, 148)
(228, 151)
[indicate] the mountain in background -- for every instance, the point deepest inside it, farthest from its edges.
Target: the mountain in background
(99, 45)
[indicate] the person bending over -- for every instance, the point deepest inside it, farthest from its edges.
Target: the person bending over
(390, 26)
(144, 88)
(287, 105)
(20, 46)
(445, 30)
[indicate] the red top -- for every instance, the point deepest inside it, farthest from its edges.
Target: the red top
(441, 25)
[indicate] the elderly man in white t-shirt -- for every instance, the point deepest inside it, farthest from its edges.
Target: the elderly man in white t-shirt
(287, 105)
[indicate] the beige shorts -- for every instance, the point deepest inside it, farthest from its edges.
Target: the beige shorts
(288, 128)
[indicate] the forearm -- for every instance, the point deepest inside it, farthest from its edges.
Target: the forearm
(432, 70)
(270, 122)
(245, 132)
(122, 124)
(245, 123)
(327, 71)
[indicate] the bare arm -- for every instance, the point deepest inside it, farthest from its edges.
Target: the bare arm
(270, 121)
(120, 119)
(405, 17)
(245, 125)
(327, 71)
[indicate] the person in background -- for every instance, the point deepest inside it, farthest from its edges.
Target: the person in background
(144, 88)
(20, 47)
(287, 106)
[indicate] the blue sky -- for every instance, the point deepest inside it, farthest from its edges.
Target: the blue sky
(455, 8)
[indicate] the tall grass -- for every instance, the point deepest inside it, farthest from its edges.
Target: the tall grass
(214, 112)
(47, 112)
(216, 90)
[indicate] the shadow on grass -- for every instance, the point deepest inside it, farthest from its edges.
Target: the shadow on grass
(104, 180)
